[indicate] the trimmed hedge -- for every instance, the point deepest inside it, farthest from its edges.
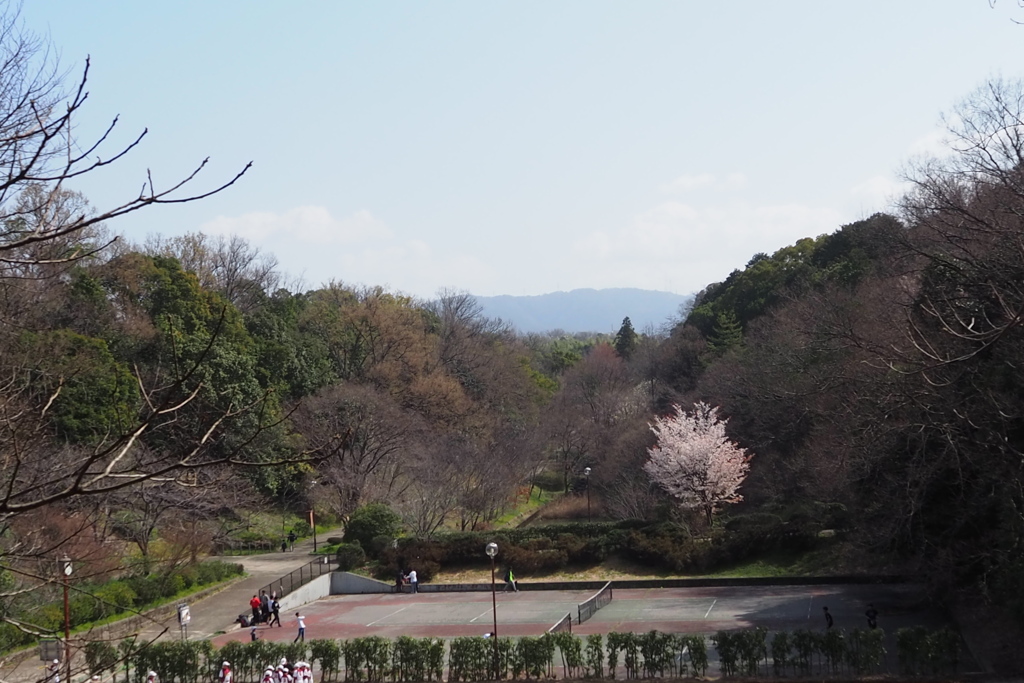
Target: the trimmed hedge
(375, 659)
(542, 549)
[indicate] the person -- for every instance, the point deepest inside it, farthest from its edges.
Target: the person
(872, 615)
(414, 582)
(275, 612)
(151, 677)
(265, 605)
(510, 580)
(268, 675)
(53, 671)
(399, 581)
(255, 604)
(225, 672)
(291, 539)
(302, 628)
(253, 636)
(828, 618)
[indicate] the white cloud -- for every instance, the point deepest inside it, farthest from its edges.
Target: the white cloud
(878, 193)
(935, 143)
(313, 245)
(310, 224)
(697, 245)
(704, 181)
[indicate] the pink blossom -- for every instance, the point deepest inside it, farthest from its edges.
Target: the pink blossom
(694, 460)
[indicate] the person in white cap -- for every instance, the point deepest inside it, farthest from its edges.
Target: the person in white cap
(268, 675)
(225, 673)
(53, 671)
(151, 677)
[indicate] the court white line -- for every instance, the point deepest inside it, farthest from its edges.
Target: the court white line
(710, 608)
(390, 615)
(482, 615)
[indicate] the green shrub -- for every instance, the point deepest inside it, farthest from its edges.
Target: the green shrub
(375, 519)
(350, 556)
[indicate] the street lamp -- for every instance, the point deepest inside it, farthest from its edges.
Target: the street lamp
(492, 549)
(66, 569)
(312, 518)
(586, 474)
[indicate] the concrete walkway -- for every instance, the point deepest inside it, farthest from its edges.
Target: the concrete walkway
(218, 613)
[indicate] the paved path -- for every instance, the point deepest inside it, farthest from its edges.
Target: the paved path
(217, 613)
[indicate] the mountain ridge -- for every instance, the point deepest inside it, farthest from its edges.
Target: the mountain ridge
(585, 310)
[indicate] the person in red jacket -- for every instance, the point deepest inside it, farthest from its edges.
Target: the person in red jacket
(256, 608)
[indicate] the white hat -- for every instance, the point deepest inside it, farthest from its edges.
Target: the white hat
(284, 660)
(227, 664)
(151, 674)
(56, 661)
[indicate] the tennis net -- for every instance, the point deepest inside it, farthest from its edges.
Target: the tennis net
(587, 609)
(564, 624)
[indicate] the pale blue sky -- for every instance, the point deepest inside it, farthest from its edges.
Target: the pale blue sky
(524, 147)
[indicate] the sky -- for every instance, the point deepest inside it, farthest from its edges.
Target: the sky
(522, 147)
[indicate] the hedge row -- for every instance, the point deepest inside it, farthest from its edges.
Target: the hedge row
(543, 549)
(649, 655)
(94, 603)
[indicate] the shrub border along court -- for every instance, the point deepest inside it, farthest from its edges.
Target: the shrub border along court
(374, 659)
(537, 550)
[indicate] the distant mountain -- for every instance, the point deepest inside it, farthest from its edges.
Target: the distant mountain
(585, 310)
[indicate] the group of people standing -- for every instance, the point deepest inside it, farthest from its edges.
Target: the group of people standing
(300, 672)
(411, 578)
(265, 609)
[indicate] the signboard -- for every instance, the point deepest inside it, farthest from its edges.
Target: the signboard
(50, 649)
(183, 615)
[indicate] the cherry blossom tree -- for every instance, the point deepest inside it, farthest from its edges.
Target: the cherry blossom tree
(694, 460)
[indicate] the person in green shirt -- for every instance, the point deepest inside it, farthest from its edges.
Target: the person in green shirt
(510, 580)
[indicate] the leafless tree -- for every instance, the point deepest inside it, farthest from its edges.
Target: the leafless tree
(45, 228)
(374, 438)
(231, 266)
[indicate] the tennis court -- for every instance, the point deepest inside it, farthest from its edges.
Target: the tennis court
(673, 610)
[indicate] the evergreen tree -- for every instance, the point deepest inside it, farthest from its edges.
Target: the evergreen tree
(625, 339)
(727, 333)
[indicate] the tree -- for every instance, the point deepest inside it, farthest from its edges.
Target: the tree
(625, 339)
(695, 462)
(73, 430)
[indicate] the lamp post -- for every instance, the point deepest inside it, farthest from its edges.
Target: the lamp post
(586, 474)
(492, 549)
(65, 570)
(312, 518)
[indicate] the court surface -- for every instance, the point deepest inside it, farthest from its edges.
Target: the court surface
(671, 610)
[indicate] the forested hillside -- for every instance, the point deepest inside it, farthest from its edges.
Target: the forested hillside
(152, 391)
